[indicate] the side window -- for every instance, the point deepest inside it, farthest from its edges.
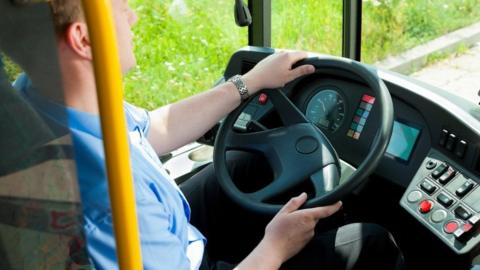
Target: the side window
(308, 25)
(182, 48)
(434, 41)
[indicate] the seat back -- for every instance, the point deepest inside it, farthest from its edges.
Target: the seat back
(40, 209)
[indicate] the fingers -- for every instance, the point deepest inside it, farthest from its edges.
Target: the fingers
(294, 203)
(323, 211)
(301, 71)
(295, 56)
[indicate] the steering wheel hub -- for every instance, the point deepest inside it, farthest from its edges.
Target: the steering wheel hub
(307, 145)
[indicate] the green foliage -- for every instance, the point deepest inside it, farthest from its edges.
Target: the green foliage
(182, 46)
(11, 69)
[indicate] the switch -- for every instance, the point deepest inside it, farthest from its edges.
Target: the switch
(464, 232)
(462, 213)
(451, 140)
(444, 200)
(461, 148)
(464, 189)
(443, 137)
(446, 177)
(439, 170)
(474, 220)
(427, 187)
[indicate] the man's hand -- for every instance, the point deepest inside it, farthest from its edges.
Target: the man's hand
(276, 70)
(288, 232)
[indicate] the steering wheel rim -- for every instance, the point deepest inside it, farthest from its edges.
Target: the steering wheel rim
(377, 149)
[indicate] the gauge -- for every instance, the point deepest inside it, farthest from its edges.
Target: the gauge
(326, 109)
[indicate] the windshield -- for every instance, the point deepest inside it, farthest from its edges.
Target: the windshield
(436, 42)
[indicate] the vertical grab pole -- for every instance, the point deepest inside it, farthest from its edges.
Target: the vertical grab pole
(108, 77)
(352, 29)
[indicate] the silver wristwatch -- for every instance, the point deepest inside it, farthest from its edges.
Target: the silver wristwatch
(240, 85)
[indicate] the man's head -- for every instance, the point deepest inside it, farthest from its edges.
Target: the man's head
(72, 32)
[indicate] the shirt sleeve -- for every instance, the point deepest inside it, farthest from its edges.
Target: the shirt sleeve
(160, 248)
(140, 116)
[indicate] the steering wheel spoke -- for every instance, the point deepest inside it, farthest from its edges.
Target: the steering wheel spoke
(255, 141)
(277, 187)
(325, 180)
(288, 112)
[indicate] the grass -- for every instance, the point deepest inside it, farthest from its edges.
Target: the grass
(182, 46)
(439, 56)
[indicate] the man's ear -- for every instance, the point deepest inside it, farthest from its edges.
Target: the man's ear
(77, 39)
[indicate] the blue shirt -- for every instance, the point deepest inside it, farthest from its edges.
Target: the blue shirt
(168, 240)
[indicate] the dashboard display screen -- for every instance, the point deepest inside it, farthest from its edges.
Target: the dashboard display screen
(402, 141)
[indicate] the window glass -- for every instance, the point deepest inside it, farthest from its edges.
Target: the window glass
(182, 48)
(394, 31)
(310, 25)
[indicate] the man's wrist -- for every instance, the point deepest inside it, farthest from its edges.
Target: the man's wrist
(269, 253)
(251, 84)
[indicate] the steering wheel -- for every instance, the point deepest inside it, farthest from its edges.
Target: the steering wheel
(299, 151)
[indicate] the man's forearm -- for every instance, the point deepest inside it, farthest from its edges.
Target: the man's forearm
(261, 258)
(178, 124)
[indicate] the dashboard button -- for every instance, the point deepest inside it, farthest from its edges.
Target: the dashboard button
(447, 176)
(464, 232)
(452, 139)
(428, 187)
(443, 137)
(425, 206)
(439, 171)
(461, 148)
(438, 216)
(414, 196)
(464, 189)
(444, 200)
(431, 165)
(450, 227)
(263, 99)
(462, 213)
(474, 220)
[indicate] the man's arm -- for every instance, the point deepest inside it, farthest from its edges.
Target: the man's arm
(180, 123)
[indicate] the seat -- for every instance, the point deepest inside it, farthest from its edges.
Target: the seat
(40, 208)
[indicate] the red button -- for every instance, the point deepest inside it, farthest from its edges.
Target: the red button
(467, 227)
(450, 226)
(262, 99)
(425, 206)
(368, 99)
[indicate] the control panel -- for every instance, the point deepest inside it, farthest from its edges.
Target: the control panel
(446, 199)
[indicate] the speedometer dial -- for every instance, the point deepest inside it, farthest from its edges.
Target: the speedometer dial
(326, 109)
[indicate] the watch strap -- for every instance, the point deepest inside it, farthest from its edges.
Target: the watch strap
(240, 85)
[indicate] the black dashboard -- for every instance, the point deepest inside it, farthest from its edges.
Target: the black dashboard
(431, 126)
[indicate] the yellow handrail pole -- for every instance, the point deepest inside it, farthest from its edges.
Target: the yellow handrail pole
(108, 77)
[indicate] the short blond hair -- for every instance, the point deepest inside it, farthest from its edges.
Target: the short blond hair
(65, 12)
